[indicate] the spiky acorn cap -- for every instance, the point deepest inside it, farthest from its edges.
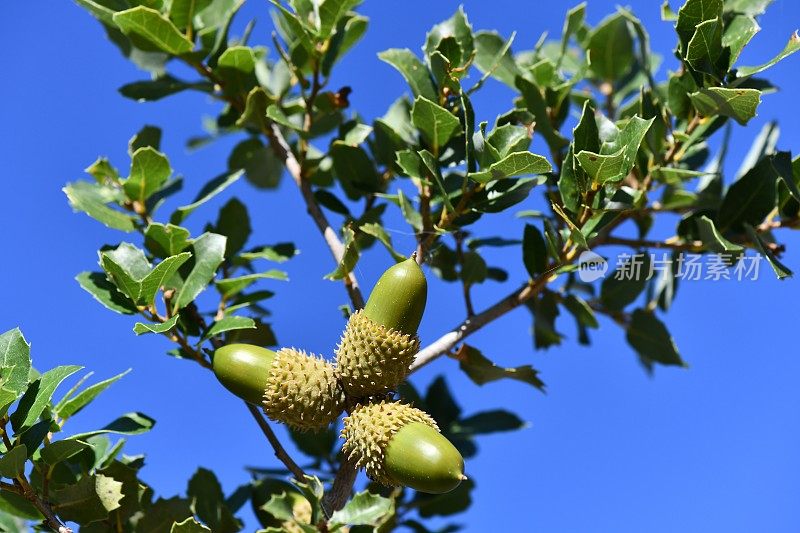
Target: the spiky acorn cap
(302, 390)
(371, 358)
(368, 430)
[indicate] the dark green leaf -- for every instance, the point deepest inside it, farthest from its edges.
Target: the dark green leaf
(493, 56)
(488, 422)
(190, 525)
(160, 517)
(650, 338)
(610, 48)
(331, 12)
(534, 251)
(750, 198)
(129, 424)
(232, 286)
(229, 323)
(209, 502)
(626, 283)
(693, 13)
(459, 29)
(92, 498)
(781, 270)
(62, 450)
(616, 158)
(481, 370)
(377, 231)
(160, 87)
(12, 463)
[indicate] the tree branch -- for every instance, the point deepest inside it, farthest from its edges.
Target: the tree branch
(342, 486)
(280, 451)
(448, 341)
(284, 152)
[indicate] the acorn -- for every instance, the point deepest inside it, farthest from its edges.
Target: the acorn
(399, 445)
(293, 387)
(380, 342)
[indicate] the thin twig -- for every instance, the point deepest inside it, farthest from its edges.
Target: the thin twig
(342, 486)
(448, 341)
(280, 452)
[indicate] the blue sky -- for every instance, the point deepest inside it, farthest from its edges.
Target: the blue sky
(709, 448)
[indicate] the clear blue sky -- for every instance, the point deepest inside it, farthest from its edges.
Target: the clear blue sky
(710, 448)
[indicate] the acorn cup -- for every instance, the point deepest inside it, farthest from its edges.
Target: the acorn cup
(380, 342)
(399, 445)
(293, 387)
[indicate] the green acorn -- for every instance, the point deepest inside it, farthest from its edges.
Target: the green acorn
(293, 387)
(399, 445)
(380, 342)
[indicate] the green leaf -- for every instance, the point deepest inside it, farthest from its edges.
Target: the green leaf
(93, 199)
(363, 509)
(610, 48)
(534, 251)
(456, 27)
(160, 276)
(127, 266)
(411, 215)
(160, 87)
(739, 104)
(748, 7)
(233, 222)
(750, 198)
(436, 123)
(739, 32)
(150, 170)
(693, 13)
(141, 328)
(190, 525)
(349, 257)
(354, 167)
(15, 367)
(12, 463)
(583, 314)
(38, 396)
(781, 270)
(181, 12)
(62, 450)
(209, 252)
(714, 241)
(90, 499)
(626, 283)
(96, 284)
(536, 104)
(166, 240)
(208, 500)
(705, 47)
(236, 66)
(150, 30)
(278, 253)
(791, 47)
(331, 12)
(617, 158)
(148, 136)
(487, 422)
(515, 164)
(573, 23)
(377, 231)
(163, 514)
(232, 286)
(229, 323)
(261, 166)
(128, 424)
(481, 370)
(650, 338)
(493, 56)
(68, 407)
(209, 191)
